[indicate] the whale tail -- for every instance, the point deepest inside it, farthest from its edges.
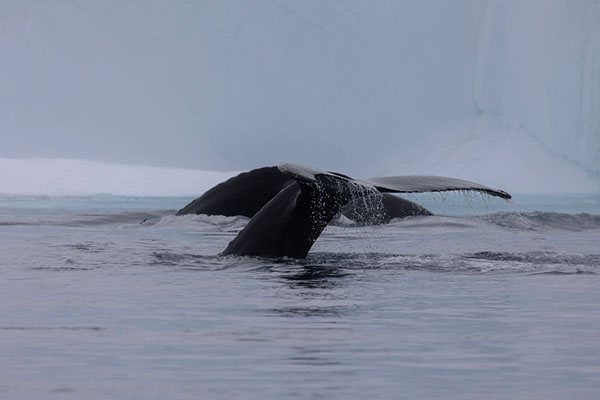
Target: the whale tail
(244, 194)
(393, 184)
(290, 223)
(248, 192)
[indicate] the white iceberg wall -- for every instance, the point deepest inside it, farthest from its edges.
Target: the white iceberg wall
(232, 84)
(538, 66)
(507, 92)
(492, 151)
(67, 177)
(536, 120)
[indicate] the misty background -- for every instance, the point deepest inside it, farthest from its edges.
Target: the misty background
(506, 93)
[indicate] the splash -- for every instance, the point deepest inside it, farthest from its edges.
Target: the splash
(365, 205)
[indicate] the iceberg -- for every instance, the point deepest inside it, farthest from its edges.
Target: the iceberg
(70, 177)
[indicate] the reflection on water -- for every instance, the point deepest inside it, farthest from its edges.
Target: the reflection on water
(314, 276)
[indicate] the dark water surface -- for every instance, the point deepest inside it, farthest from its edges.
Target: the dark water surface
(96, 305)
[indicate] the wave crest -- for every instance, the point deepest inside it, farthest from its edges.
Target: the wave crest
(538, 220)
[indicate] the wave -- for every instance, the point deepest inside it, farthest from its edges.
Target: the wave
(538, 258)
(539, 220)
(521, 221)
(530, 221)
(208, 221)
(324, 266)
(82, 219)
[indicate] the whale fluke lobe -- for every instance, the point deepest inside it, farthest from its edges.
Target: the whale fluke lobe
(244, 194)
(291, 204)
(396, 184)
(422, 183)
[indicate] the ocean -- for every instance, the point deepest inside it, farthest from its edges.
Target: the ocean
(113, 297)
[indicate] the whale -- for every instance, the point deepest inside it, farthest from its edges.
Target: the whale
(288, 223)
(248, 192)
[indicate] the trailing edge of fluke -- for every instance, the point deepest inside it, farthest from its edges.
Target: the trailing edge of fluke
(291, 204)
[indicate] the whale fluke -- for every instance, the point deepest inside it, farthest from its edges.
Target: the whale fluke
(395, 184)
(290, 223)
(422, 183)
(389, 207)
(246, 193)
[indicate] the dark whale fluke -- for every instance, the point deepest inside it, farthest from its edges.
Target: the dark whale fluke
(246, 193)
(423, 183)
(390, 207)
(289, 223)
